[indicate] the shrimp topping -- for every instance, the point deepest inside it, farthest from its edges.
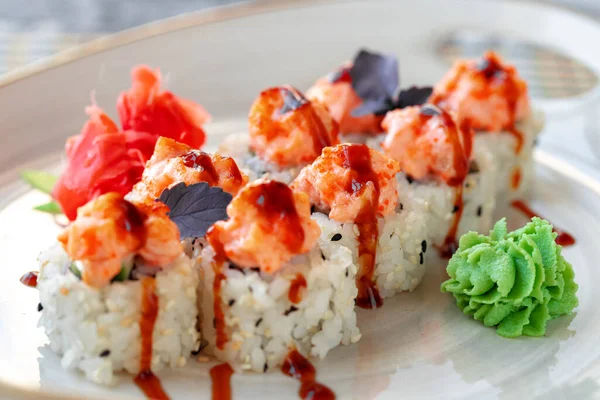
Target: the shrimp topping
(109, 229)
(336, 92)
(486, 94)
(268, 224)
(427, 142)
(348, 177)
(174, 162)
(289, 130)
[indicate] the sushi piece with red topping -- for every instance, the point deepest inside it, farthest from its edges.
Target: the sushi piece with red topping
(354, 192)
(286, 132)
(272, 283)
(489, 96)
(440, 175)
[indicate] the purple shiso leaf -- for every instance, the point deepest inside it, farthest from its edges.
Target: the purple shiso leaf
(195, 208)
(374, 76)
(413, 96)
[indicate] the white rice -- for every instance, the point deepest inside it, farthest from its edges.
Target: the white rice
(502, 148)
(237, 146)
(402, 248)
(262, 324)
(97, 330)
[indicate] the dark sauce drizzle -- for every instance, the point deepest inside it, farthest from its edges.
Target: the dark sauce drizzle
(29, 279)
(563, 238)
(220, 376)
(296, 286)
(298, 367)
(200, 160)
(358, 160)
(146, 380)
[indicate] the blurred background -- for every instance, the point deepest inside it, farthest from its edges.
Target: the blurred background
(33, 29)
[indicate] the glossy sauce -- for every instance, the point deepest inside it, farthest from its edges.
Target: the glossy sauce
(294, 101)
(275, 201)
(462, 147)
(217, 265)
(358, 160)
(298, 367)
(146, 380)
(515, 178)
(220, 376)
(200, 160)
(296, 286)
(563, 238)
(30, 279)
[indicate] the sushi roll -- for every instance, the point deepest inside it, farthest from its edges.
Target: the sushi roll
(488, 95)
(271, 284)
(354, 192)
(359, 93)
(286, 132)
(440, 177)
(117, 292)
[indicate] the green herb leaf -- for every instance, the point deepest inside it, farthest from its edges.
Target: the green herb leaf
(50, 208)
(123, 275)
(75, 270)
(40, 180)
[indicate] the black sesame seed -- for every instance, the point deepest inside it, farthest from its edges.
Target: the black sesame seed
(421, 258)
(455, 209)
(258, 323)
(347, 273)
(40, 307)
(424, 246)
(409, 179)
(194, 241)
(236, 267)
(255, 269)
(323, 256)
(231, 302)
(265, 368)
(401, 206)
(290, 310)
(105, 353)
(336, 237)
(479, 211)
(196, 352)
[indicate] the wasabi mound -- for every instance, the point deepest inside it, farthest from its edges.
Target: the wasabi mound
(515, 281)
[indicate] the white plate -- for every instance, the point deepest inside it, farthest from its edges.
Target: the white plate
(419, 344)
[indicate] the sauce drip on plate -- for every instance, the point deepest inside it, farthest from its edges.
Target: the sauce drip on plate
(219, 314)
(29, 279)
(220, 376)
(563, 238)
(146, 380)
(296, 286)
(298, 367)
(358, 160)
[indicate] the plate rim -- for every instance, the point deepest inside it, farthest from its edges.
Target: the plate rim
(243, 9)
(217, 14)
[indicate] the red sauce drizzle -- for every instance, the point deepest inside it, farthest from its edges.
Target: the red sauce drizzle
(275, 201)
(298, 367)
(295, 101)
(515, 179)
(563, 238)
(462, 146)
(146, 380)
(199, 159)
(358, 160)
(295, 293)
(29, 279)
(221, 381)
(219, 314)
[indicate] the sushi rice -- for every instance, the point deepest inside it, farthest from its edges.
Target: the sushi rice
(97, 330)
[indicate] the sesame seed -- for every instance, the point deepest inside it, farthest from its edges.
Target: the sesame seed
(336, 237)
(409, 179)
(266, 367)
(40, 307)
(347, 273)
(323, 256)
(290, 310)
(424, 246)
(105, 353)
(258, 322)
(231, 302)
(455, 209)
(421, 258)
(401, 206)
(479, 211)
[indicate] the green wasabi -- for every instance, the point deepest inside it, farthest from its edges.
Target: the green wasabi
(516, 281)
